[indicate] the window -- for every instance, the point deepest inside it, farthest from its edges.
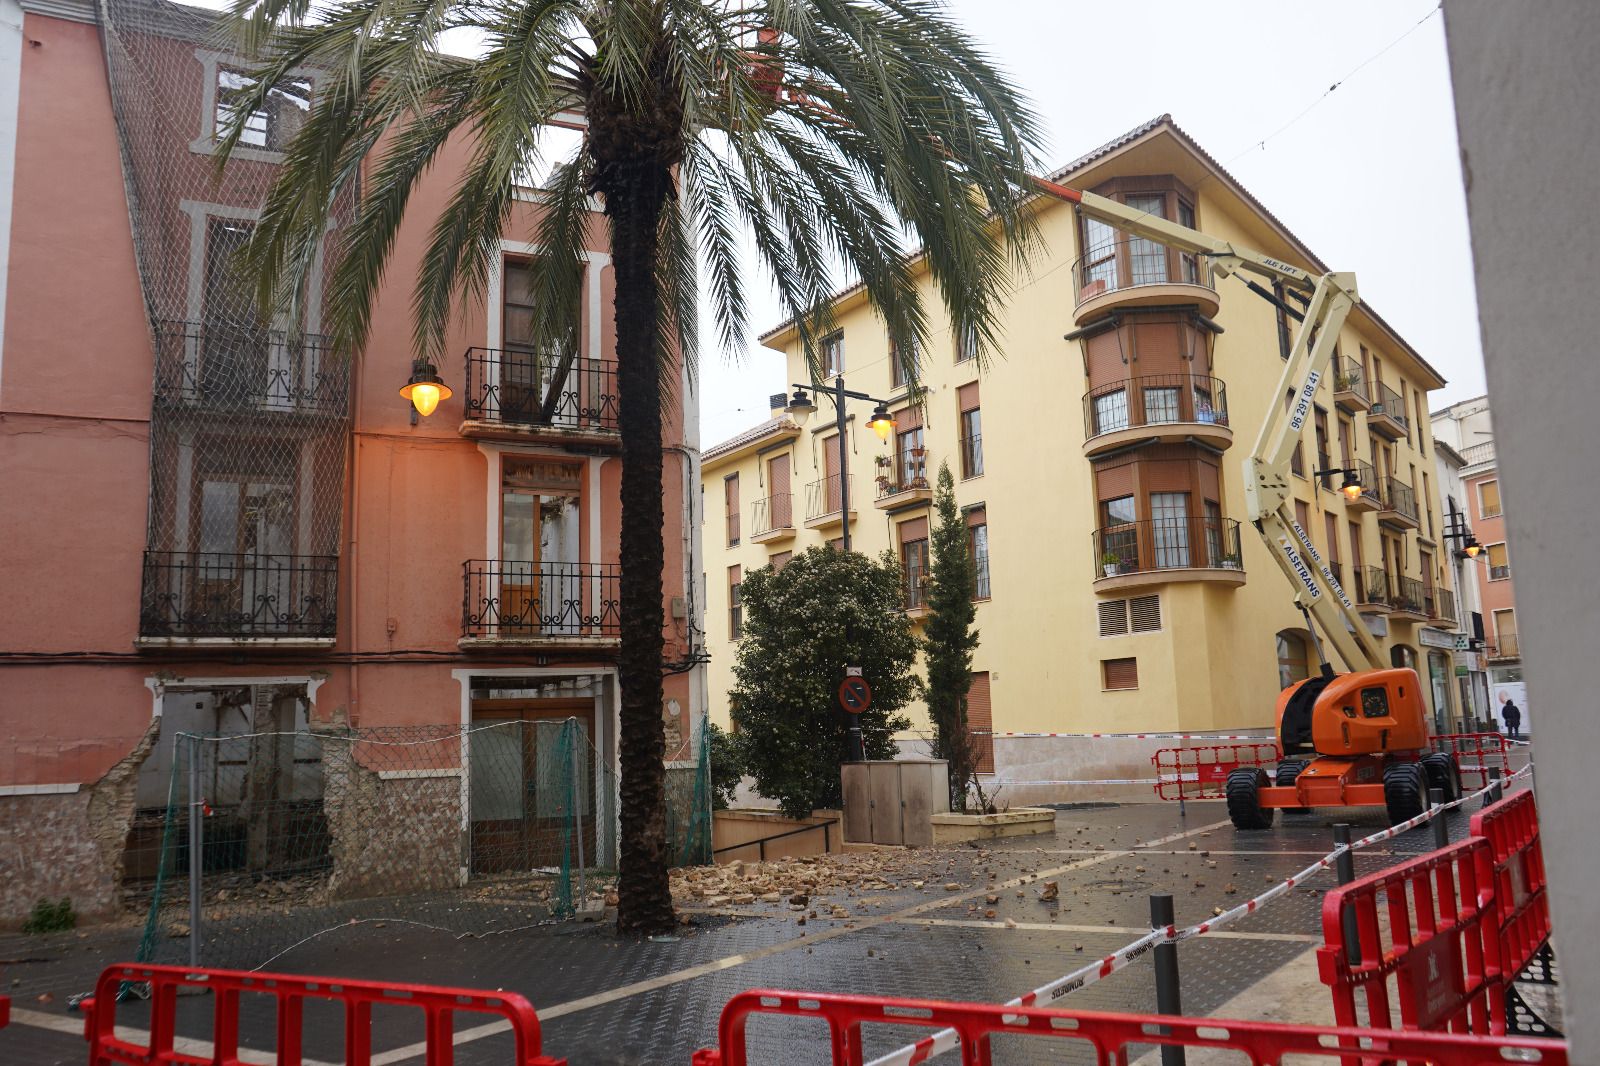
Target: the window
(1294, 664)
(1147, 260)
(1111, 411)
(833, 355)
(1119, 674)
(1188, 262)
(1302, 515)
(910, 460)
(980, 723)
(1099, 255)
(1214, 552)
(730, 499)
(1297, 460)
(1170, 514)
(1119, 537)
(897, 364)
(1499, 562)
(780, 560)
(966, 345)
(971, 430)
(1427, 498)
(735, 603)
(978, 551)
(272, 126)
(914, 570)
(1160, 406)
(1488, 499)
(1505, 633)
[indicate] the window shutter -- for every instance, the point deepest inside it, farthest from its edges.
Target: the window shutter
(1113, 618)
(980, 721)
(1146, 613)
(1120, 673)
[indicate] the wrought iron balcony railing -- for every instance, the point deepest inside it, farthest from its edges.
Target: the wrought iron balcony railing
(1167, 544)
(822, 497)
(1126, 262)
(1399, 497)
(1153, 400)
(1348, 376)
(733, 528)
(232, 368)
(1387, 402)
(238, 596)
(542, 390)
(980, 576)
(1372, 585)
(1409, 596)
(1505, 646)
(772, 513)
(902, 472)
(972, 455)
(1371, 484)
(532, 602)
(1441, 603)
(913, 586)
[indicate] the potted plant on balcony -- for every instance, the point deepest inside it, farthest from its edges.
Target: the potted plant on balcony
(1110, 563)
(884, 475)
(919, 468)
(1344, 382)
(1231, 561)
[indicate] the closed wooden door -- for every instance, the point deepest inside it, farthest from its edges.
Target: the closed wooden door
(778, 493)
(528, 790)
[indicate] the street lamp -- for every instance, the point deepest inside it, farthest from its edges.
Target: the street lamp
(1350, 486)
(881, 422)
(1456, 529)
(425, 388)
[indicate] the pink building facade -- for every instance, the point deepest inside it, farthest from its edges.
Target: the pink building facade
(218, 525)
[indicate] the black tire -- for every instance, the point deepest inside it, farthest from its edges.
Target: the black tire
(1442, 774)
(1403, 791)
(1289, 769)
(1244, 798)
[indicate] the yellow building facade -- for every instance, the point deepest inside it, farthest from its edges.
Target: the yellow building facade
(1098, 463)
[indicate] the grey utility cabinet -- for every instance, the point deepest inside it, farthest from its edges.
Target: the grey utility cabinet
(893, 802)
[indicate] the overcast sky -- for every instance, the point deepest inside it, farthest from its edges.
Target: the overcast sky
(1369, 178)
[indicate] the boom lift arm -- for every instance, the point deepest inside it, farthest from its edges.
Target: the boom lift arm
(1329, 299)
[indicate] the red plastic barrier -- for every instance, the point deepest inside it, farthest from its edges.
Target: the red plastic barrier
(228, 988)
(1437, 942)
(1113, 1038)
(1201, 772)
(5, 1011)
(1521, 916)
(1476, 754)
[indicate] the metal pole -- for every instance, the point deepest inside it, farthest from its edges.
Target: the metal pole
(1168, 1000)
(577, 812)
(1496, 790)
(196, 849)
(1344, 869)
(844, 459)
(1441, 828)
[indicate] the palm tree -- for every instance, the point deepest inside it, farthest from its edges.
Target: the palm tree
(828, 131)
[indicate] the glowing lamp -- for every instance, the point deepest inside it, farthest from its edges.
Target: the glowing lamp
(881, 422)
(1351, 487)
(1472, 548)
(426, 388)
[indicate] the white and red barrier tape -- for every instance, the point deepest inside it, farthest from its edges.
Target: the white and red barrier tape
(947, 1040)
(1125, 736)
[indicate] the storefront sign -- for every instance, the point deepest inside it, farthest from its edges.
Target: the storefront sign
(1436, 638)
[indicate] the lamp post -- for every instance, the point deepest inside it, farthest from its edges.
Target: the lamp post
(1350, 486)
(882, 424)
(425, 388)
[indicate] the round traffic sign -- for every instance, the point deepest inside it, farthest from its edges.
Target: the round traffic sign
(855, 695)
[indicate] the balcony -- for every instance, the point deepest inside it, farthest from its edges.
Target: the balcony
(1441, 605)
(1479, 454)
(1399, 507)
(972, 456)
(1162, 550)
(534, 396)
(236, 370)
(1350, 386)
(1167, 407)
(1387, 415)
(189, 598)
(1407, 602)
(903, 480)
(508, 604)
(1371, 593)
(1135, 272)
(822, 502)
(772, 519)
(1504, 647)
(1371, 498)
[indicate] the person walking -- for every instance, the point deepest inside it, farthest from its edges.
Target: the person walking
(1511, 714)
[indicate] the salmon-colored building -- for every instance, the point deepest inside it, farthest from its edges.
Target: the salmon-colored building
(218, 524)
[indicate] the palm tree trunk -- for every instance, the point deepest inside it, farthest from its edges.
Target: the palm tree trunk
(634, 198)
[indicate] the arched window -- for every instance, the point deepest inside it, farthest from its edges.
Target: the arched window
(1294, 662)
(1403, 655)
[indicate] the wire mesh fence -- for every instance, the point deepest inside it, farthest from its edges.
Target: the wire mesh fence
(269, 840)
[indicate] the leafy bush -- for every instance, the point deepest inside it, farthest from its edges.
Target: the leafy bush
(824, 611)
(48, 917)
(727, 766)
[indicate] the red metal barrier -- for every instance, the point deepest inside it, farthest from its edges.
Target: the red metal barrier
(1113, 1038)
(1431, 932)
(1476, 754)
(1521, 916)
(1201, 772)
(290, 993)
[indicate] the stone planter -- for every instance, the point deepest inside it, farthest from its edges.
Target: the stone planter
(740, 833)
(1017, 822)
